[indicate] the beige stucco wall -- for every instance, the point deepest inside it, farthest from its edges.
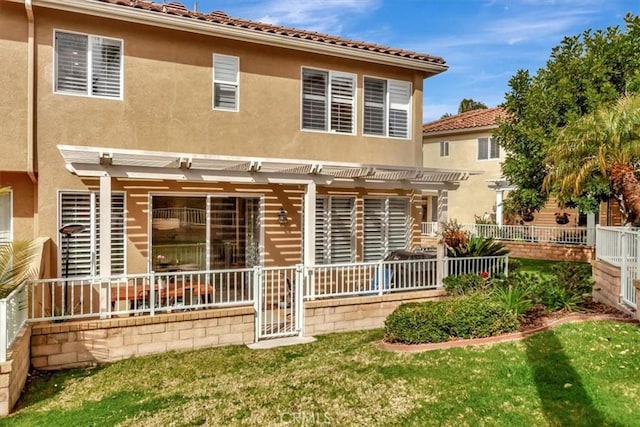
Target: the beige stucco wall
(166, 105)
(13, 86)
(473, 197)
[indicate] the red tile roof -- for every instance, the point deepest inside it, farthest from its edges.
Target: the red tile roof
(218, 17)
(471, 119)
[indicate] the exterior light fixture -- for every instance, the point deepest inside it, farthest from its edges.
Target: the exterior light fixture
(282, 216)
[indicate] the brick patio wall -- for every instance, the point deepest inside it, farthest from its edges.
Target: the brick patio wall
(91, 342)
(606, 289)
(358, 313)
(550, 251)
(13, 372)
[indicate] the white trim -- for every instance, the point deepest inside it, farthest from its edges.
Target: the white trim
(145, 17)
(88, 94)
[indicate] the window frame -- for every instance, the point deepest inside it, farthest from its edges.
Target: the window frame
(329, 100)
(94, 221)
(384, 217)
(387, 108)
(444, 148)
(88, 93)
(236, 83)
(489, 141)
(9, 232)
(327, 230)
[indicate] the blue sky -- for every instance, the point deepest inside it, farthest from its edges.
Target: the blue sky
(483, 41)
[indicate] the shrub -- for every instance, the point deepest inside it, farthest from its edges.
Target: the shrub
(453, 235)
(557, 297)
(576, 278)
(515, 299)
(465, 284)
(477, 246)
(473, 316)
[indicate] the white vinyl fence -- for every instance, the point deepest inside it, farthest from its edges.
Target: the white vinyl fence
(530, 233)
(619, 246)
(13, 316)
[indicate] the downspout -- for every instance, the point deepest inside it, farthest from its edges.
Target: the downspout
(31, 61)
(30, 91)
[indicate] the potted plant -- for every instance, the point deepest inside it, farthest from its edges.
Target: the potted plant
(562, 218)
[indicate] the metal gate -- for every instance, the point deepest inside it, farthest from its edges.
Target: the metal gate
(278, 300)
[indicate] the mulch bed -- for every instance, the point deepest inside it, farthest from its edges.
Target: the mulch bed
(533, 322)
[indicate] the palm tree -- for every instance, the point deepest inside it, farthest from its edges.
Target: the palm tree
(468, 104)
(605, 141)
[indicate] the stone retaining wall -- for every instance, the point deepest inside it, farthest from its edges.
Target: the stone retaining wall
(86, 343)
(358, 313)
(550, 251)
(13, 372)
(606, 289)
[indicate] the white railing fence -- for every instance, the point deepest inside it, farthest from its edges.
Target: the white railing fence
(429, 228)
(619, 246)
(13, 316)
(533, 233)
(268, 288)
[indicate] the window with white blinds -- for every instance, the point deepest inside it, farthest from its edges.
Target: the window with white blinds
(226, 82)
(328, 101)
(88, 65)
(83, 248)
(488, 148)
(6, 218)
(386, 226)
(335, 230)
(387, 108)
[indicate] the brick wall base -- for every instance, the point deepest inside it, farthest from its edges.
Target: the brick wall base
(606, 289)
(86, 343)
(13, 372)
(550, 251)
(358, 313)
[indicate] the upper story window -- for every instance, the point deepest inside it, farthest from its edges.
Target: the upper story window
(387, 107)
(444, 148)
(226, 82)
(6, 216)
(88, 65)
(328, 101)
(488, 149)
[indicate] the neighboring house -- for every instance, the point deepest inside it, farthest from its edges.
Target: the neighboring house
(182, 138)
(465, 141)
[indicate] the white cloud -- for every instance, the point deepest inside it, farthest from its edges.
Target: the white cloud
(327, 16)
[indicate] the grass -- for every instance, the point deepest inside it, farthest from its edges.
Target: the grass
(577, 374)
(540, 266)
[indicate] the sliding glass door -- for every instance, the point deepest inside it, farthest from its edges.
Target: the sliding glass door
(204, 232)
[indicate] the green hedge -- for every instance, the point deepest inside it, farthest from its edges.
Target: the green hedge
(473, 316)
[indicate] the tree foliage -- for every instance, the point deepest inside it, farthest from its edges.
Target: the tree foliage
(582, 73)
(606, 141)
(468, 104)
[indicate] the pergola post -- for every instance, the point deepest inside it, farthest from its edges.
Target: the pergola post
(499, 199)
(105, 242)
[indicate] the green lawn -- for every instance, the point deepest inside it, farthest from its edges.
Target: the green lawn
(544, 267)
(580, 374)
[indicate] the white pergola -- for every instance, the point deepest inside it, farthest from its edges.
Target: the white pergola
(108, 163)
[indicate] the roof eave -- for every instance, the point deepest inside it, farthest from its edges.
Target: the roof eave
(145, 17)
(459, 131)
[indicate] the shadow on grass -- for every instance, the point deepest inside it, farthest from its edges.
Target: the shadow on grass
(565, 402)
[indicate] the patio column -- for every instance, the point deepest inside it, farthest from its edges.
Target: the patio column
(105, 241)
(591, 229)
(499, 199)
(309, 236)
(443, 206)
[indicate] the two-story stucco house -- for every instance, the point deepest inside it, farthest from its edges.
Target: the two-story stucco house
(216, 142)
(466, 141)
